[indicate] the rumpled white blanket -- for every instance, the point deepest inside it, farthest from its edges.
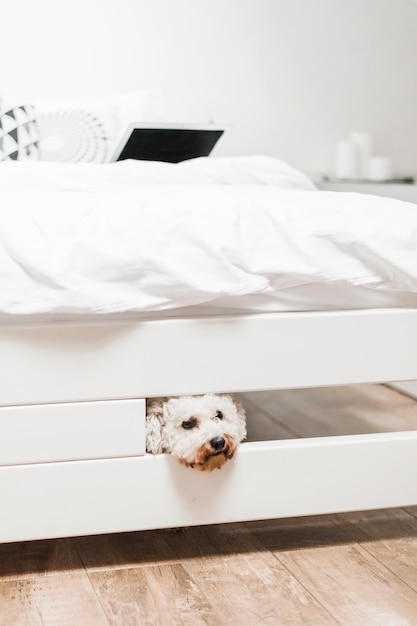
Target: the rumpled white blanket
(139, 236)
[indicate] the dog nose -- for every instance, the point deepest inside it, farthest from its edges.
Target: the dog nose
(217, 443)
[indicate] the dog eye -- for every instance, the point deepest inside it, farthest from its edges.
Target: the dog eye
(188, 424)
(218, 415)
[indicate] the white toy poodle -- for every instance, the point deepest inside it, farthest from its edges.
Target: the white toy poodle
(203, 432)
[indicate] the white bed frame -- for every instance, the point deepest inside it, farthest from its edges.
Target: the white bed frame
(72, 416)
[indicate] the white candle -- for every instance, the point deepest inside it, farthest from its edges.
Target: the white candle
(363, 147)
(380, 168)
(345, 160)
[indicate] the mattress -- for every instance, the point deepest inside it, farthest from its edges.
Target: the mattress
(206, 236)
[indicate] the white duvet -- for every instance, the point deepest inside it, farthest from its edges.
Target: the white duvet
(144, 237)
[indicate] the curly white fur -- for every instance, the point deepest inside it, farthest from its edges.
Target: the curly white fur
(203, 432)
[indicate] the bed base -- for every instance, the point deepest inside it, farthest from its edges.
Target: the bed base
(78, 363)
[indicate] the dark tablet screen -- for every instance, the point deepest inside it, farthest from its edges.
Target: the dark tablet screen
(169, 144)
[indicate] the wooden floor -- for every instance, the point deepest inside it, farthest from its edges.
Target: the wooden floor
(356, 569)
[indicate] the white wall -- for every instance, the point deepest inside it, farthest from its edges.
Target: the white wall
(291, 76)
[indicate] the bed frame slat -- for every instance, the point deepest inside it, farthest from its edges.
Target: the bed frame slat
(118, 360)
(265, 480)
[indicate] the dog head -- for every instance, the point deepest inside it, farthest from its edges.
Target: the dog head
(203, 432)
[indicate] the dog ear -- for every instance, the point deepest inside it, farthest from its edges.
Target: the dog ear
(155, 422)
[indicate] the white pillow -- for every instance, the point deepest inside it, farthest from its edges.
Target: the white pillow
(19, 134)
(88, 130)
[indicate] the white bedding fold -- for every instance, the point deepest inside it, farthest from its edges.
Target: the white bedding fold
(92, 177)
(104, 239)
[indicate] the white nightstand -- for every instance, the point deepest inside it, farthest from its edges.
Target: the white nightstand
(400, 191)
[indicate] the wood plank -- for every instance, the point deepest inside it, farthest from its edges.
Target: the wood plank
(350, 583)
(160, 596)
(295, 533)
(412, 510)
(67, 600)
(261, 425)
(122, 550)
(242, 579)
(390, 536)
(26, 559)
(229, 565)
(340, 410)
